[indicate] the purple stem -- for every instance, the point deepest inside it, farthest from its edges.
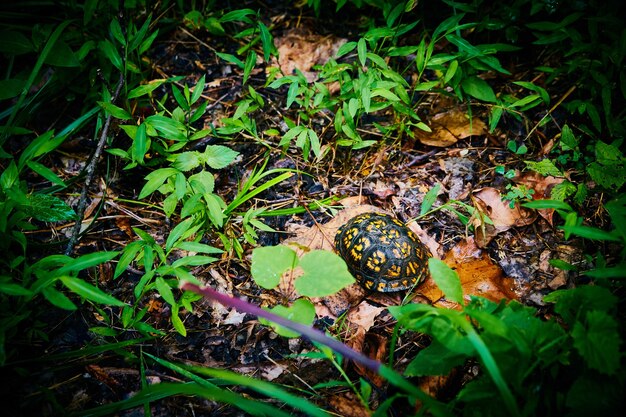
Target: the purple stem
(306, 331)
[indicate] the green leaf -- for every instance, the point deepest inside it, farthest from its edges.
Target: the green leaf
(544, 167)
(142, 90)
(198, 90)
(116, 31)
(446, 279)
(90, 292)
(478, 88)
(86, 261)
(269, 263)
(429, 199)
(128, 255)
(46, 172)
(14, 43)
(11, 87)
(165, 291)
(592, 233)
(218, 156)
(178, 233)
(436, 359)
(111, 53)
(301, 311)
(115, 111)
(598, 342)
(61, 55)
(177, 322)
(362, 51)
(202, 183)
(168, 128)
(292, 93)
(58, 299)
(249, 65)
(48, 208)
(231, 58)
(266, 40)
(325, 273)
(186, 161)
(155, 180)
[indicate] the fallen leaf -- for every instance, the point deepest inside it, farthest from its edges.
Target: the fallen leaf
(489, 202)
(543, 188)
(479, 276)
(298, 50)
(448, 127)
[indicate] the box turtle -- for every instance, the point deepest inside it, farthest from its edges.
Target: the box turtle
(382, 253)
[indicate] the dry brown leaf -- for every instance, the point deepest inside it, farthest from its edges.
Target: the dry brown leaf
(447, 128)
(478, 274)
(347, 405)
(543, 188)
(297, 50)
(489, 202)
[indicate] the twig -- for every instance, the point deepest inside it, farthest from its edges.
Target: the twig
(90, 170)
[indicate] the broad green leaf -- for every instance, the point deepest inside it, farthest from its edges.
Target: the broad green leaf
(198, 90)
(165, 291)
(195, 260)
(249, 65)
(186, 161)
(14, 43)
(86, 261)
(593, 233)
(168, 128)
(218, 156)
(58, 299)
(128, 255)
(446, 279)
(111, 53)
(478, 88)
(266, 40)
(46, 172)
(116, 31)
(142, 90)
(429, 199)
(202, 183)
(325, 273)
(544, 167)
(435, 359)
(178, 232)
(198, 247)
(178, 324)
(90, 292)
(269, 263)
(11, 87)
(48, 208)
(62, 55)
(292, 93)
(598, 342)
(115, 111)
(155, 180)
(301, 311)
(362, 51)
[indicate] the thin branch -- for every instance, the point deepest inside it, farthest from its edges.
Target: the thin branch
(90, 170)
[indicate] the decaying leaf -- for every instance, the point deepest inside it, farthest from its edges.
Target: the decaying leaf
(543, 188)
(447, 128)
(478, 274)
(298, 50)
(489, 202)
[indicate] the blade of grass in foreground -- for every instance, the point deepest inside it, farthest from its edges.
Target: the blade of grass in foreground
(263, 387)
(165, 390)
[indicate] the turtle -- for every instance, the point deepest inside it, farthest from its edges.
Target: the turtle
(382, 253)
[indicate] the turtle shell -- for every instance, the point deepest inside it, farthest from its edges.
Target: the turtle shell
(382, 253)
